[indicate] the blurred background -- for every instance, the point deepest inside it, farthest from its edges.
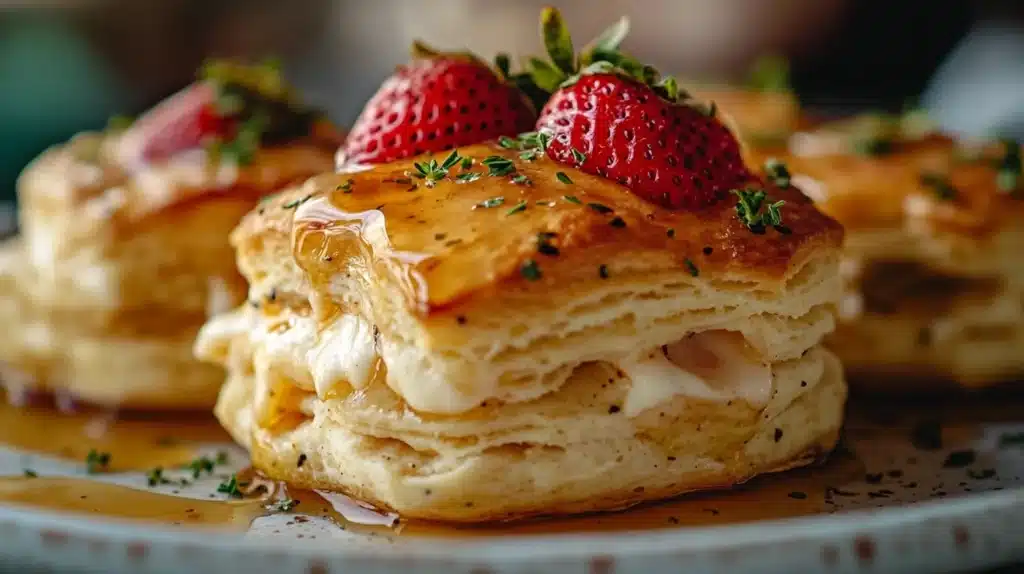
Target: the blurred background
(66, 65)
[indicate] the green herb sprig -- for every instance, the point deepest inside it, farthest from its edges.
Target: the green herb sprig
(432, 172)
(283, 505)
(777, 172)
(755, 212)
(232, 487)
(939, 184)
(96, 462)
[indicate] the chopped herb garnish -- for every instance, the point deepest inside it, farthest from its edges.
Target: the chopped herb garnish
(521, 206)
(600, 208)
(492, 202)
(467, 162)
(198, 465)
(284, 505)
(617, 222)
(749, 210)
(155, 476)
(450, 161)
(498, 166)
(531, 145)
(468, 177)
(432, 172)
(544, 245)
(873, 145)
(691, 267)
(399, 180)
(521, 179)
(578, 156)
(346, 187)
(939, 184)
(222, 457)
(530, 270)
(96, 461)
(777, 172)
(297, 202)
(560, 176)
(572, 199)
(531, 154)
(602, 271)
(29, 473)
(232, 487)
(301, 460)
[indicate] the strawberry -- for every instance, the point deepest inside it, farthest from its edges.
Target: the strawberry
(673, 154)
(610, 115)
(437, 102)
(180, 122)
(232, 109)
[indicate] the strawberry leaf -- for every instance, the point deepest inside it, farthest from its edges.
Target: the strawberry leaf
(610, 39)
(504, 66)
(422, 50)
(557, 40)
(546, 76)
(668, 88)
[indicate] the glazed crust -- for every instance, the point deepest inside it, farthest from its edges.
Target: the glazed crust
(870, 192)
(99, 235)
(449, 252)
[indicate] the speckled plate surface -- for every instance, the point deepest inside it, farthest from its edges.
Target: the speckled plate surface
(928, 488)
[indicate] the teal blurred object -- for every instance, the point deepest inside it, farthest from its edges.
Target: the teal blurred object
(52, 84)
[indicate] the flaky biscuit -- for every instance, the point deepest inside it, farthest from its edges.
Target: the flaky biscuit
(932, 266)
(506, 347)
(100, 234)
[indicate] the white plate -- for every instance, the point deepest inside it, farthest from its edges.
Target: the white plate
(891, 507)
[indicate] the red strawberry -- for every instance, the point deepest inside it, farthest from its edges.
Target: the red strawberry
(671, 153)
(182, 121)
(436, 103)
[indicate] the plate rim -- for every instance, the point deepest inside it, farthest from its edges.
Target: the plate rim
(961, 510)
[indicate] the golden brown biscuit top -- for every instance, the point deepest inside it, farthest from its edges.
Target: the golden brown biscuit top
(925, 180)
(86, 178)
(449, 241)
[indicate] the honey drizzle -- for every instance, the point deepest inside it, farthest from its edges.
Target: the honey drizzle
(134, 441)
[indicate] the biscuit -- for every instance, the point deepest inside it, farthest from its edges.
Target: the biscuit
(489, 350)
(934, 285)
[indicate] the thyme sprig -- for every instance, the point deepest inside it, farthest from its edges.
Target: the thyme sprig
(753, 209)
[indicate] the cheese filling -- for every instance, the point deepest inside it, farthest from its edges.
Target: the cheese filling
(344, 355)
(712, 365)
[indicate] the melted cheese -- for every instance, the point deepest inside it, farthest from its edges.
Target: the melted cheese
(344, 352)
(713, 365)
